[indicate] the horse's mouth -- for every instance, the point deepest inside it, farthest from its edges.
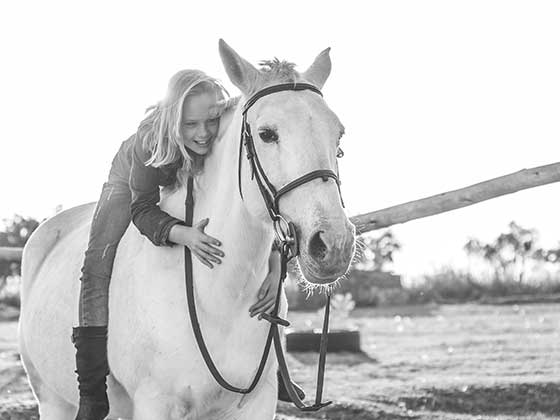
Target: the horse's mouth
(314, 275)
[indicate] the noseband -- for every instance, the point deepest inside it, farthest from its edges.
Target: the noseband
(285, 231)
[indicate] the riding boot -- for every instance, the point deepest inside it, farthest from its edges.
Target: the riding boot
(283, 392)
(92, 368)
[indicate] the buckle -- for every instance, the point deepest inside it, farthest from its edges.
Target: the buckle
(282, 229)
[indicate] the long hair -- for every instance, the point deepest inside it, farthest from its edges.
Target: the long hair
(160, 130)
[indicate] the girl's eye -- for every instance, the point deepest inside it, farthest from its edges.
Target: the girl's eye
(268, 135)
(190, 124)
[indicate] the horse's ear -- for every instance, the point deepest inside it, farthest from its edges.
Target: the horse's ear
(319, 71)
(241, 73)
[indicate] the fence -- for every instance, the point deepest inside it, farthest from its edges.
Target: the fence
(429, 206)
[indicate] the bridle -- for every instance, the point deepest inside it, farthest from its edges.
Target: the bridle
(285, 231)
(286, 236)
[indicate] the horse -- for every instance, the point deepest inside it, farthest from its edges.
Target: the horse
(156, 369)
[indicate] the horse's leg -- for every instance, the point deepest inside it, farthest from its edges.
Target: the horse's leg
(52, 407)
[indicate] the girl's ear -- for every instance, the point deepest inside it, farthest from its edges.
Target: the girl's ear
(241, 73)
(319, 71)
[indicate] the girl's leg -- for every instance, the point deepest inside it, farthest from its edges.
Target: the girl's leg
(110, 221)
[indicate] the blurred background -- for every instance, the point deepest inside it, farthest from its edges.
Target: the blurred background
(458, 311)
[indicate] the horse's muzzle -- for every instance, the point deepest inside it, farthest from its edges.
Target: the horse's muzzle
(327, 254)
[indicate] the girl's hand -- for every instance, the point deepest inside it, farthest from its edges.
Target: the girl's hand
(203, 246)
(266, 297)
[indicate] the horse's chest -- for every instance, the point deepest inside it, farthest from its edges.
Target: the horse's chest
(195, 403)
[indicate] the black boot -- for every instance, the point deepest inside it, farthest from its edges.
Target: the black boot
(92, 369)
(283, 392)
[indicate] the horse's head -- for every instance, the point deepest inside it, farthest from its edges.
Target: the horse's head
(295, 133)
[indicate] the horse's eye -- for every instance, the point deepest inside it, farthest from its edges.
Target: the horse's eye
(268, 135)
(339, 152)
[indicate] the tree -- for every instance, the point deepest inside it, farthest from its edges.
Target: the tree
(15, 233)
(509, 252)
(375, 252)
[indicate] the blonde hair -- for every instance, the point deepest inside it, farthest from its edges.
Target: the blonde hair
(160, 130)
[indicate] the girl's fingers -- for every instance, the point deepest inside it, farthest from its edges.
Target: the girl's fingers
(266, 310)
(263, 290)
(261, 305)
(208, 256)
(203, 259)
(260, 302)
(211, 250)
(210, 240)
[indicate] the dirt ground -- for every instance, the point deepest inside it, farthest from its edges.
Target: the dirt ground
(449, 362)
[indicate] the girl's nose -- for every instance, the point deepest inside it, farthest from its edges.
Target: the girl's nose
(202, 130)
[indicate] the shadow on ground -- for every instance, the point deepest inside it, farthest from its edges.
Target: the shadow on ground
(503, 399)
(346, 411)
(341, 358)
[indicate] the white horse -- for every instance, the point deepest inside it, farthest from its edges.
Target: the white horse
(157, 371)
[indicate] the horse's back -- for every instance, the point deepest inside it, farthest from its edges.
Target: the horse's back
(46, 237)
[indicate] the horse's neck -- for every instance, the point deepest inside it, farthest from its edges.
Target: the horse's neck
(245, 241)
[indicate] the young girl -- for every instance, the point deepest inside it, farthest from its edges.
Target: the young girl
(170, 144)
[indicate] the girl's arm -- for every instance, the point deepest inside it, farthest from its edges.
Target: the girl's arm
(266, 297)
(150, 220)
(158, 226)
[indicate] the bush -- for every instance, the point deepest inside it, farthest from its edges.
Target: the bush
(450, 285)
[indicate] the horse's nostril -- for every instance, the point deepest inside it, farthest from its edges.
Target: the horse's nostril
(317, 248)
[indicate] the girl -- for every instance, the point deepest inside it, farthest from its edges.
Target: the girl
(169, 145)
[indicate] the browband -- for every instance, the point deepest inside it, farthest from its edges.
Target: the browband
(278, 88)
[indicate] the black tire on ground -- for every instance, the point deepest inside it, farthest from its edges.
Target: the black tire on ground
(339, 340)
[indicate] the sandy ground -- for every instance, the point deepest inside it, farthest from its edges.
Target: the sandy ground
(450, 362)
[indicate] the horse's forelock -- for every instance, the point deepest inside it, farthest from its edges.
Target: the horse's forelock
(274, 71)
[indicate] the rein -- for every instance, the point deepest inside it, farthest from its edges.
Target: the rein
(289, 248)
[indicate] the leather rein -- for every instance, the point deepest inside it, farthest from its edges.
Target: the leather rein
(289, 248)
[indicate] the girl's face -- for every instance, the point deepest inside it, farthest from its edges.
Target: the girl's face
(200, 122)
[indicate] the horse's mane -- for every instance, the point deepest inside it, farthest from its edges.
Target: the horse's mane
(275, 71)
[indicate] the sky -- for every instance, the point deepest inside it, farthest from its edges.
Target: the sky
(434, 95)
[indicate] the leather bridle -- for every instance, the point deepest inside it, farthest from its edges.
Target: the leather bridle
(285, 231)
(288, 245)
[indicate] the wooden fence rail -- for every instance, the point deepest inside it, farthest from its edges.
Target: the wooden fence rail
(440, 203)
(10, 254)
(429, 206)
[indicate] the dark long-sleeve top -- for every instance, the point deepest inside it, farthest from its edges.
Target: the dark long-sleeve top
(144, 182)
(129, 166)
